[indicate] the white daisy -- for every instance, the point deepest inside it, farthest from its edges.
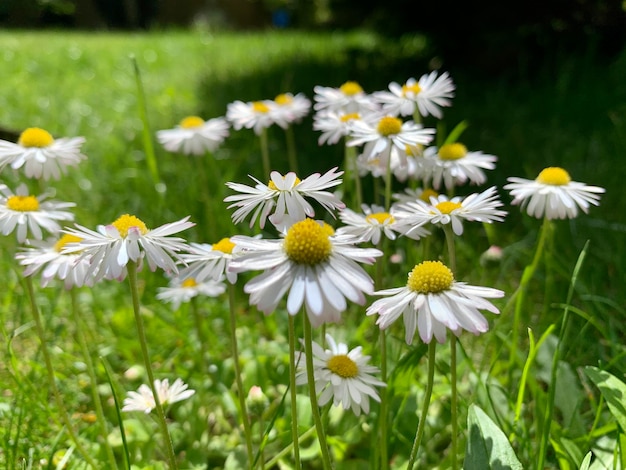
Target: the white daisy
(387, 135)
(477, 207)
(40, 154)
(257, 115)
(453, 165)
(428, 96)
(432, 301)
(205, 261)
(30, 213)
(341, 375)
(335, 125)
(183, 289)
(48, 257)
(370, 225)
(194, 135)
(128, 239)
(411, 194)
(553, 194)
(143, 399)
(287, 195)
(289, 108)
(317, 267)
(348, 98)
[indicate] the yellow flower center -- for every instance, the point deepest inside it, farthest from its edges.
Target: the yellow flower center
(283, 99)
(307, 242)
(124, 223)
(191, 121)
(380, 217)
(343, 366)
(406, 89)
(554, 176)
(64, 240)
(414, 150)
(23, 203)
(35, 137)
(328, 229)
(427, 194)
(430, 277)
(452, 151)
(224, 245)
(389, 126)
(351, 88)
(350, 117)
(260, 107)
(446, 207)
(189, 282)
(273, 186)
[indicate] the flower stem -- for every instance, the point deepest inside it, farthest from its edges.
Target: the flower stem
(132, 279)
(51, 378)
(292, 391)
(352, 172)
(321, 434)
(240, 392)
(427, 394)
(291, 149)
(95, 397)
(265, 152)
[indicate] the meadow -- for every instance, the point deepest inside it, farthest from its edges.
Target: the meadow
(516, 405)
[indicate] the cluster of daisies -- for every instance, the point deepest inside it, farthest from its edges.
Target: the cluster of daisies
(314, 265)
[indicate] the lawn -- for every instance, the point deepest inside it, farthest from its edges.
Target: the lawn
(567, 113)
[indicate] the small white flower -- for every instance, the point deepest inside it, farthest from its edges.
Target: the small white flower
(183, 289)
(143, 399)
(289, 108)
(317, 267)
(412, 194)
(194, 136)
(40, 154)
(128, 239)
(369, 226)
(335, 125)
(432, 301)
(29, 213)
(257, 115)
(553, 194)
(477, 207)
(341, 375)
(287, 195)
(428, 95)
(348, 98)
(205, 261)
(47, 257)
(453, 165)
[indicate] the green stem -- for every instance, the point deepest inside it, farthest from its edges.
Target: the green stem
(292, 391)
(291, 149)
(384, 402)
(132, 279)
(95, 397)
(240, 392)
(265, 153)
(352, 173)
(427, 394)
(321, 434)
(51, 378)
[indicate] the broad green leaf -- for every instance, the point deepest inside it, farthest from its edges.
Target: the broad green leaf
(487, 446)
(613, 390)
(586, 462)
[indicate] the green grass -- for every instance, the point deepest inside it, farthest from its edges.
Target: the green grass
(570, 115)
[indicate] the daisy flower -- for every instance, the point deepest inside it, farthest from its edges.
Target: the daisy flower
(453, 165)
(370, 225)
(28, 213)
(40, 154)
(286, 194)
(387, 135)
(182, 290)
(194, 136)
(553, 194)
(205, 261)
(318, 267)
(432, 301)
(48, 258)
(428, 96)
(289, 108)
(477, 207)
(335, 125)
(411, 194)
(129, 239)
(348, 98)
(257, 115)
(343, 376)
(143, 399)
